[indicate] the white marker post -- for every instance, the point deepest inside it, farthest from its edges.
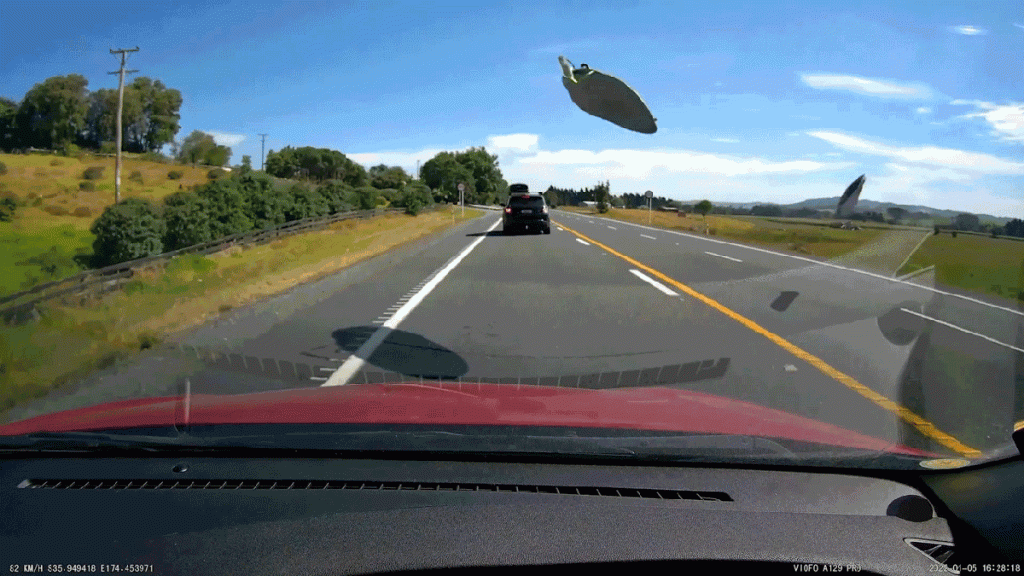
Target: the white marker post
(649, 195)
(462, 197)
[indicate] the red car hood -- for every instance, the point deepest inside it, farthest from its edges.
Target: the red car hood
(660, 409)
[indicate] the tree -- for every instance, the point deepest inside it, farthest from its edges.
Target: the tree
(200, 148)
(131, 229)
(9, 135)
(704, 207)
(766, 210)
(52, 114)
(896, 213)
(382, 176)
(966, 222)
(601, 193)
(486, 184)
(315, 164)
(1015, 228)
(246, 164)
(443, 173)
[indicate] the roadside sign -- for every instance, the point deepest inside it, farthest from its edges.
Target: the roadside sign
(462, 187)
(649, 194)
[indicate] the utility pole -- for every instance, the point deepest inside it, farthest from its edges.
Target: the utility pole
(120, 107)
(262, 162)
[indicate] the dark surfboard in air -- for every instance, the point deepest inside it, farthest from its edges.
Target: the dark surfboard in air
(607, 97)
(848, 201)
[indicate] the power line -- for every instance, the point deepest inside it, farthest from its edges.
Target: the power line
(263, 164)
(120, 106)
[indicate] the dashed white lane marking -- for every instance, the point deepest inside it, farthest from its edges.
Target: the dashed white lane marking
(653, 282)
(612, 228)
(726, 257)
(585, 243)
(830, 265)
(356, 360)
(964, 330)
(646, 236)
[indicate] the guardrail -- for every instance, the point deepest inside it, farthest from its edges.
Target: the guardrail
(101, 280)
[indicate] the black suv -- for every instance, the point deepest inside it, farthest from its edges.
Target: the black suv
(525, 210)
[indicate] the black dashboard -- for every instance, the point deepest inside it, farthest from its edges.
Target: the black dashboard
(218, 515)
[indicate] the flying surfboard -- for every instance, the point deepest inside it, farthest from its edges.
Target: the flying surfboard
(607, 97)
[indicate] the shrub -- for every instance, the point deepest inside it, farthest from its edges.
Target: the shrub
(34, 199)
(108, 148)
(56, 162)
(188, 222)
(3, 168)
(175, 174)
(216, 173)
(87, 186)
(306, 202)
(56, 210)
(8, 204)
(71, 150)
(82, 212)
(228, 207)
(364, 198)
(136, 176)
(131, 229)
(267, 207)
(93, 173)
(337, 194)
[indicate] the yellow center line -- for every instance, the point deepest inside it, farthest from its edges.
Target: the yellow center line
(925, 427)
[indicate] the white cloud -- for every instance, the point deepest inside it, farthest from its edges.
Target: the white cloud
(725, 140)
(974, 162)
(1021, 26)
(1006, 120)
(868, 86)
(406, 160)
(225, 139)
(924, 110)
(805, 117)
(640, 164)
(967, 30)
(514, 142)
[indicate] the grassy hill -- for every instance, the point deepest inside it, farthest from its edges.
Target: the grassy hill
(49, 235)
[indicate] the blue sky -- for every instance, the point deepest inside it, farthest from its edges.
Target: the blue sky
(755, 101)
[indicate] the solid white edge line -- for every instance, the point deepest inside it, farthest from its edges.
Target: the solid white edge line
(907, 259)
(356, 360)
(820, 263)
(965, 330)
(653, 282)
(584, 242)
(723, 256)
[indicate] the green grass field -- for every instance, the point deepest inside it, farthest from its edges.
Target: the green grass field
(980, 264)
(992, 266)
(52, 225)
(799, 238)
(68, 342)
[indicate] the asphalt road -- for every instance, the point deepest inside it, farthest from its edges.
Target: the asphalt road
(600, 303)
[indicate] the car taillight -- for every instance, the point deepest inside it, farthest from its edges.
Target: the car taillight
(545, 209)
(508, 210)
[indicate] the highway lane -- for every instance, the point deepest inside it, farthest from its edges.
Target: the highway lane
(563, 309)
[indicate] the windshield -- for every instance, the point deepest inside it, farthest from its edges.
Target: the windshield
(790, 235)
(528, 202)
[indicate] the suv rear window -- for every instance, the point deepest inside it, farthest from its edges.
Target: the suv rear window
(518, 189)
(531, 202)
